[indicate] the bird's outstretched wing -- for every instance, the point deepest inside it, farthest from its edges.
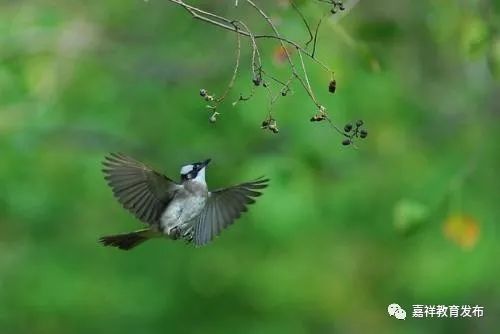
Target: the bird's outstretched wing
(223, 207)
(139, 188)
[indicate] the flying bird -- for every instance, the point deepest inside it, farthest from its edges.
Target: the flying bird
(184, 210)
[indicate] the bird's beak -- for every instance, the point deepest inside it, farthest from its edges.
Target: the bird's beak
(206, 162)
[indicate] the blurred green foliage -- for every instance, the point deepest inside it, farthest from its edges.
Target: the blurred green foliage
(340, 234)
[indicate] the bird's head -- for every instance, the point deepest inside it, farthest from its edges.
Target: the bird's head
(194, 171)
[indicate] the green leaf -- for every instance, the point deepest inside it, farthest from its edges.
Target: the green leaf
(409, 215)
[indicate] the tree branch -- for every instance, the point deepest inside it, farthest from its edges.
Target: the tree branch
(226, 24)
(240, 28)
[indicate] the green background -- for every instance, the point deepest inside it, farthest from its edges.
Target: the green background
(340, 233)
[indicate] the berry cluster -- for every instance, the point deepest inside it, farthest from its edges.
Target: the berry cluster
(352, 132)
(337, 5)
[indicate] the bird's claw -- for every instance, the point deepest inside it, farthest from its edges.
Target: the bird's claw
(174, 232)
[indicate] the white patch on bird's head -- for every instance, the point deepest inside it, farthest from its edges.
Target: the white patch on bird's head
(186, 169)
(194, 171)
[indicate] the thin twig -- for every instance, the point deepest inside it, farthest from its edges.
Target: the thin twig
(309, 89)
(255, 50)
(198, 14)
(273, 78)
(335, 127)
(194, 10)
(287, 53)
(271, 102)
(316, 36)
(294, 6)
(235, 71)
(256, 65)
(245, 98)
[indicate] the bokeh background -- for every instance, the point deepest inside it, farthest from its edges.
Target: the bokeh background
(410, 217)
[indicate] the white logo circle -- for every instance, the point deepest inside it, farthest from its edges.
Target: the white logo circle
(396, 311)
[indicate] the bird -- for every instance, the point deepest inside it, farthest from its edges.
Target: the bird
(184, 210)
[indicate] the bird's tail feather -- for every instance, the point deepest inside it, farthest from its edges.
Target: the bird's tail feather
(127, 241)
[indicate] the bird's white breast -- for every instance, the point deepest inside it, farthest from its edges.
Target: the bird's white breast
(183, 208)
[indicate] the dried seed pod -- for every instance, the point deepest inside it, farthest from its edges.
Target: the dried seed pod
(346, 142)
(332, 86)
(257, 81)
(273, 126)
(359, 123)
(363, 133)
(348, 127)
(318, 117)
(213, 117)
(203, 92)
